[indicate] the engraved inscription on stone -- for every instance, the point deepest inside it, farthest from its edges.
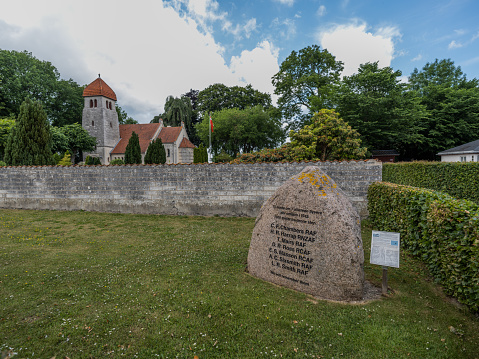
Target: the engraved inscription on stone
(307, 237)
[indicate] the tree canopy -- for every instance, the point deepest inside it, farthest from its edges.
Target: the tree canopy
(452, 104)
(78, 140)
(376, 103)
(219, 97)
(305, 83)
(327, 138)
(245, 130)
(29, 140)
(24, 75)
(6, 125)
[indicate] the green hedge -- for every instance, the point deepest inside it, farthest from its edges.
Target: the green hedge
(459, 179)
(443, 231)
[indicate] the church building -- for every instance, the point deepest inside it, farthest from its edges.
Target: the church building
(100, 119)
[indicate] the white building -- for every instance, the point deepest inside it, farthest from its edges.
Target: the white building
(468, 152)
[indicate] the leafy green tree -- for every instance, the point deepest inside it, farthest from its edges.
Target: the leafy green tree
(195, 116)
(155, 154)
(380, 107)
(29, 141)
(133, 150)
(305, 83)
(6, 125)
(219, 97)
(241, 130)
(79, 140)
(200, 154)
(22, 75)
(59, 140)
(327, 138)
(452, 103)
(178, 110)
(123, 118)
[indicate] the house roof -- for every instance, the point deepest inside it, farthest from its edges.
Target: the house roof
(99, 88)
(186, 143)
(145, 132)
(169, 134)
(471, 147)
(384, 153)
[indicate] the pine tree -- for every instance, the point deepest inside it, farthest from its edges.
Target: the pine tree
(133, 150)
(156, 153)
(29, 143)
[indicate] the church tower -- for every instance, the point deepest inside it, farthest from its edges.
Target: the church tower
(100, 118)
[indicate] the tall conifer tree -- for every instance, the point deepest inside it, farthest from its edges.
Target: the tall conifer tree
(155, 153)
(133, 150)
(29, 143)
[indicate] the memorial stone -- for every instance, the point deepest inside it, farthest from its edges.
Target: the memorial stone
(307, 237)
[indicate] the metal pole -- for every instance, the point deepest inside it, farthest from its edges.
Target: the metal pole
(211, 150)
(385, 281)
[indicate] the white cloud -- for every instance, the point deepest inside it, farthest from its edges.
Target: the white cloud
(256, 67)
(144, 50)
(285, 2)
(321, 10)
(417, 58)
(454, 45)
(354, 45)
(285, 28)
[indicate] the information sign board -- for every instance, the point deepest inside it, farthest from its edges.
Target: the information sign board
(385, 249)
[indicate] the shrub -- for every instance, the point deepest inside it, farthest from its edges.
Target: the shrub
(66, 160)
(223, 157)
(2, 164)
(459, 179)
(117, 161)
(441, 230)
(200, 154)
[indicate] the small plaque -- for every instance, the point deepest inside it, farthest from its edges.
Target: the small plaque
(385, 249)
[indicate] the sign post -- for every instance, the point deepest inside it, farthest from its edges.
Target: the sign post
(385, 252)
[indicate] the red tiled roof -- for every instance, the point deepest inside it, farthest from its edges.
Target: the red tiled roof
(99, 88)
(186, 143)
(145, 132)
(169, 134)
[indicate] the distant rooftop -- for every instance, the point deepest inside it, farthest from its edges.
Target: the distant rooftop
(471, 147)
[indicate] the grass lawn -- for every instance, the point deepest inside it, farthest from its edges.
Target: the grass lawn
(95, 285)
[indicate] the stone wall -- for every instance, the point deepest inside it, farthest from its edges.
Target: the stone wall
(202, 189)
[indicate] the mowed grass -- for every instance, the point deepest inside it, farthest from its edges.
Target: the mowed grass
(95, 285)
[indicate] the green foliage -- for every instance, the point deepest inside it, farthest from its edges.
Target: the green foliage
(376, 103)
(177, 110)
(155, 154)
(59, 140)
(2, 164)
(441, 230)
(79, 140)
(306, 79)
(66, 160)
(219, 97)
(200, 154)
(6, 125)
(96, 161)
(244, 131)
(117, 161)
(133, 150)
(88, 160)
(57, 158)
(29, 140)
(327, 138)
(459, 179)
(222, 157)
(452, 104)
(22, 75)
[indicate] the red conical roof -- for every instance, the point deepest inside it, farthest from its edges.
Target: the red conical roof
(99, 88)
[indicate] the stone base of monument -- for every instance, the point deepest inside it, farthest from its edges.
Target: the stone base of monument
(307, 237)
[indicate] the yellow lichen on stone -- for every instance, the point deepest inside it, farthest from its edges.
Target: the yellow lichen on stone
(321, 182)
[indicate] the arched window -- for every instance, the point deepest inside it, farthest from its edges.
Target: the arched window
(96, 104)
(91, 103)
(168, 155)
(93, 123)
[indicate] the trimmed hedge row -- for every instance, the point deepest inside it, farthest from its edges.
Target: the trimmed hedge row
(441, 230)
(459, 179)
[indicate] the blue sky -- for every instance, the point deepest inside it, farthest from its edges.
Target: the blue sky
(149, 49)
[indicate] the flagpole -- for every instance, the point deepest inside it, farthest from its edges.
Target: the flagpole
(211, 151)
